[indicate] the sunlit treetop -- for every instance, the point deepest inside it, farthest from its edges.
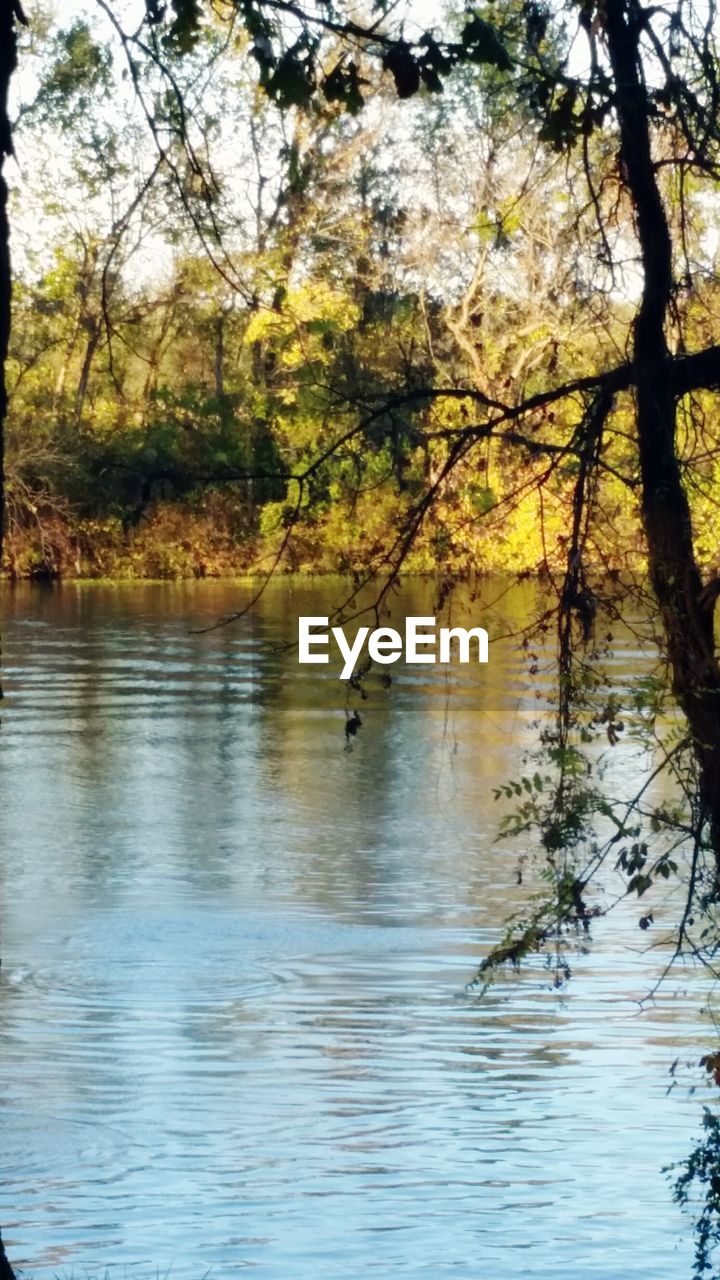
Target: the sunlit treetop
(551, 58)
(290, 45)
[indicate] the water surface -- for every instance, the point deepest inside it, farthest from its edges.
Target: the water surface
(234, 1024)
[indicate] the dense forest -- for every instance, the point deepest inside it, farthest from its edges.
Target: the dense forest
(197, 326)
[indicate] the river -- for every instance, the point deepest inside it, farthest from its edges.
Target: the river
(235, 1028)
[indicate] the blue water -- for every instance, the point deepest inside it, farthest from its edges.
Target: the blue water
(235, 1031)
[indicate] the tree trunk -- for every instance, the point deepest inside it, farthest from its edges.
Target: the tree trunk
(220, 356)
(687, 624)
(10, 13)
(156, 353)
(93, 326)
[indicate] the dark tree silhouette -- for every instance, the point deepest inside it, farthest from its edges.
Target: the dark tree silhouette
(10, 15)
(6, 1271)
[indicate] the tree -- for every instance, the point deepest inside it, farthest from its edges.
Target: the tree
(6, 1271)
(648, 92)
(644, 112)
(10, 15)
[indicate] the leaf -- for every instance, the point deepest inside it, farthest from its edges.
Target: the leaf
(562, 126)
(291, 83)
(343, 85)
(434, 63)
(639, 885)
(403, 65)
(431, 79)
(536, 23)
(185, 29)
(482, 44)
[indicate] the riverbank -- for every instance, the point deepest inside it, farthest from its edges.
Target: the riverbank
(175, 542)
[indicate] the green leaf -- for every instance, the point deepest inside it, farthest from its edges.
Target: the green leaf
(639, 885)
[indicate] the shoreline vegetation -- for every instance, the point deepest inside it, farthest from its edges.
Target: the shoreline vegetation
(377, 372)
(207, 540)
(175, 547)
